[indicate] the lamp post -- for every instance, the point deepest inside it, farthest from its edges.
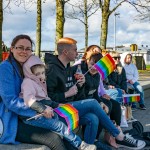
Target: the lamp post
(115, 14)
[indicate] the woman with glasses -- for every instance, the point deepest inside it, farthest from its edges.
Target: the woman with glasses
(118, 77)
(13, 130)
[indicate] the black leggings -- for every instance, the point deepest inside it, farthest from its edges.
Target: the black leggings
(115, 112)
(115, 109)
(34, 135)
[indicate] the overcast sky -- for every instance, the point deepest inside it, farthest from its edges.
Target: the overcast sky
(128, 31)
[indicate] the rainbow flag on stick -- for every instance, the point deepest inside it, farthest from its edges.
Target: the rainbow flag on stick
(105, 66)
(129, 98)
(70, 114)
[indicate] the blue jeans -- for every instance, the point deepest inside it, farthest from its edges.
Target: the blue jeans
(91, 122)
(92, 106)
(115, 94)
(138, 89)
(54, 124)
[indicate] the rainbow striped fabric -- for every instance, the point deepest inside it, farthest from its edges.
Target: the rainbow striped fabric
(105, 66)
(70, 114)
(129, 98)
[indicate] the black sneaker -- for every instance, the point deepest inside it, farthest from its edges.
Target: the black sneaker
(142, 106)
(131, 143)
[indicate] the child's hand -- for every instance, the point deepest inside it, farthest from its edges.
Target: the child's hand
(48, 112)
(60, 105)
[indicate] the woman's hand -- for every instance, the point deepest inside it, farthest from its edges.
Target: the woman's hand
(130, 81)
(111, 87)
(106, 96)
(123, 91)
(104, 107)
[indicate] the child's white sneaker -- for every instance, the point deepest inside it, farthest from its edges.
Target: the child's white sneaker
(85, 146)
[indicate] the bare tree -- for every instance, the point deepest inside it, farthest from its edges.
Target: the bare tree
(60, 20)
(38, 28)
(81, 11)
(140, 5)
(24, 3)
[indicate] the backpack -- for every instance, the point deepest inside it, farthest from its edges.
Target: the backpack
(137, 132)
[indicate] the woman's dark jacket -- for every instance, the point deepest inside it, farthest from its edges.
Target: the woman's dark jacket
(118, 80)
(91, 82)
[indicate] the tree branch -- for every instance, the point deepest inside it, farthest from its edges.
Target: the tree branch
(116, 6)
(7, 5)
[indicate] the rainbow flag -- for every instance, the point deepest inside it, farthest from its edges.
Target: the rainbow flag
(129, 98)
(105, 66)
(70, 114)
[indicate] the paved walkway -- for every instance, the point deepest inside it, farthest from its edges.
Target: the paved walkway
(142, 115)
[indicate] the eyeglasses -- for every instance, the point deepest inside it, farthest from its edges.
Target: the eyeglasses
(21, 48)
(115, 58)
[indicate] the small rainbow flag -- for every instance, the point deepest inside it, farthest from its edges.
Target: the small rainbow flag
(129, 98)
(105, 66)
(70, 114)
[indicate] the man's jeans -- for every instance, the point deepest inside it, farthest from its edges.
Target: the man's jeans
(92, 106)
(54, 124)
(138, 89)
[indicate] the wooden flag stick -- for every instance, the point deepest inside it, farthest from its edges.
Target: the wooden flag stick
(34, 117)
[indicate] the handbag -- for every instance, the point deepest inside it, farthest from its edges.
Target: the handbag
(123, 117)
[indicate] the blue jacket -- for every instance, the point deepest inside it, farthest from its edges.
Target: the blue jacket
(10, 104)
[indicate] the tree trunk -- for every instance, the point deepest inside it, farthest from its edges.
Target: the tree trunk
(60, 20)
(104, 30)
(1, 24)
(86, 24)
(104, 25)
(38, 28)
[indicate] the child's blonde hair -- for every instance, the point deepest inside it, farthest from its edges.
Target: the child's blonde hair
(33, 68)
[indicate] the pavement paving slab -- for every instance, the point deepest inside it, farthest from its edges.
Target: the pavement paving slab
(144, 117)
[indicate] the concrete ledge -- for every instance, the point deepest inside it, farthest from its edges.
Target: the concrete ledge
(23, 147)
(146, 88)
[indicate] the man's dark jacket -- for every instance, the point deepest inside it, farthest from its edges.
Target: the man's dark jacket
(59, 80)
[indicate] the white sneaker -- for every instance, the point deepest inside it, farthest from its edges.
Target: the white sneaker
(130, 143)
(85, 146)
